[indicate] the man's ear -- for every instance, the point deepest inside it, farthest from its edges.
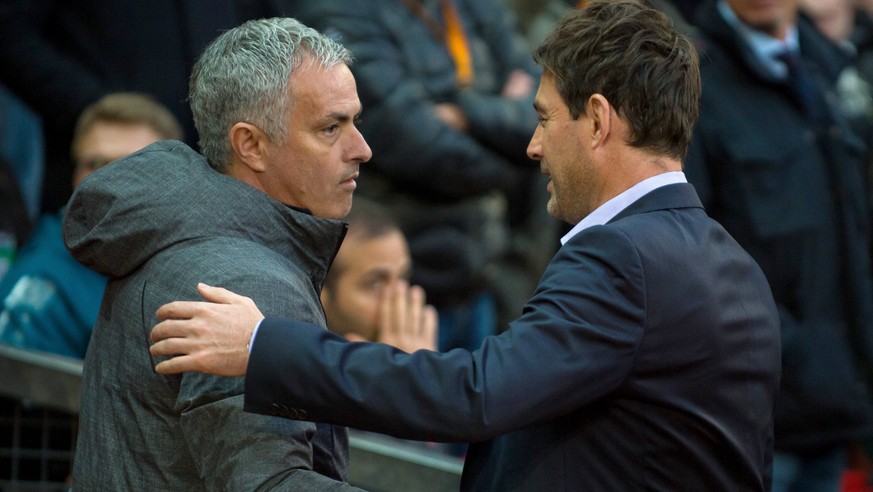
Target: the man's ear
(600, 112)
(249, 144)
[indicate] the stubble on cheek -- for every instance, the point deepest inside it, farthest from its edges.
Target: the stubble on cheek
(552, 206)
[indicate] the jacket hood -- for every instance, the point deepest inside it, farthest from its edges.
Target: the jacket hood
(165, 194)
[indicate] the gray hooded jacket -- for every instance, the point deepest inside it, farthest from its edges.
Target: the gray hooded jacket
(156, 223)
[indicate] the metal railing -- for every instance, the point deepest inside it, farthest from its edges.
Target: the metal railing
(378, 463)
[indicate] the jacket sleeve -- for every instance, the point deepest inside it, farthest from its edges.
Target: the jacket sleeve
(574, 343)
(413, 146)
(241, 451)
(235, 450)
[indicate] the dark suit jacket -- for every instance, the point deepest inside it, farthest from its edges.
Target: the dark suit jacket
(647, 359)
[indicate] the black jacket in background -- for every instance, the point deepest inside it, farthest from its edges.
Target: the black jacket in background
(793, 192)
(60, 56)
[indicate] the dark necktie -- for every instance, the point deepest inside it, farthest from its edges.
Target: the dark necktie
(800, 82)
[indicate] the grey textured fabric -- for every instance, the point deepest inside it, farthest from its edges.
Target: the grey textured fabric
(156, 223)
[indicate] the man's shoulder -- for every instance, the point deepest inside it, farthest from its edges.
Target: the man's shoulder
(167, 150)
(228, 257)
(667, 223)
(279, 285)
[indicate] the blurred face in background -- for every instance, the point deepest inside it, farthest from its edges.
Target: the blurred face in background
(106, 141)
(834, 18)
(365, 266)
(771, 17)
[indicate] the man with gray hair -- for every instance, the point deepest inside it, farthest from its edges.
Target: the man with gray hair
(275, 105)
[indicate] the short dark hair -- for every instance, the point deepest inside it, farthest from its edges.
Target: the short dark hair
(367, 220)
(633, 56)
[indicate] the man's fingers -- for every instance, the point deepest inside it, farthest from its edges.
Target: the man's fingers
(168, 328)
(354, 337)
(168, 346)
(391, 306)
(177, 310)
(405, 320)
(400, 309)
(384, 311)
(175, 365)
(430, 323)
(188, 309)
(208, 337)
(416, 304)
(219, 295)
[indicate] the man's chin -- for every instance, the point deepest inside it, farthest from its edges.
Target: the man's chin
(340, 210)
(553, 209)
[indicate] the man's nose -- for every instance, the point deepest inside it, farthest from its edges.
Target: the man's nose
(361, 151)
(535, 147)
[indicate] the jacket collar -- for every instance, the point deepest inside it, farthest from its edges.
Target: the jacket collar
(680, 195)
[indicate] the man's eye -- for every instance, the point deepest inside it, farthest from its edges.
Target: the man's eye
(332, 129)
(377, 285)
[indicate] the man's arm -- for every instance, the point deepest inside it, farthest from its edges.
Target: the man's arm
(216, 334)
(503, 120)
(574, 343)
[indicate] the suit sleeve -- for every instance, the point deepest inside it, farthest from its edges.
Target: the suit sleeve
(574, 343)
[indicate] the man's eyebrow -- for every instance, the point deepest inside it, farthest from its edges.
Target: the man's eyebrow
(341, 117)
(376, 274)
(538, 107)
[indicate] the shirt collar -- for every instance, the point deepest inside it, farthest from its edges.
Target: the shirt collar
(604, 213)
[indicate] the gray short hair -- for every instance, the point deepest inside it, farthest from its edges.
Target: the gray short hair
(243, 76)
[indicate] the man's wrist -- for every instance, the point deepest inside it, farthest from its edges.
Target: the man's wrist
(254, 334)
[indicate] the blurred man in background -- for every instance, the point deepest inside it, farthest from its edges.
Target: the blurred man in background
(50, 300)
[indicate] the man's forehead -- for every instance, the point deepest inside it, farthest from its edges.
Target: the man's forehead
(329, 95)
(547, 97)
(319, 78)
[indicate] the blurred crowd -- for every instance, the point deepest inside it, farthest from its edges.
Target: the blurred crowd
(781, 157)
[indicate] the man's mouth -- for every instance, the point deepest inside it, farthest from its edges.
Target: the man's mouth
(350, 182)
